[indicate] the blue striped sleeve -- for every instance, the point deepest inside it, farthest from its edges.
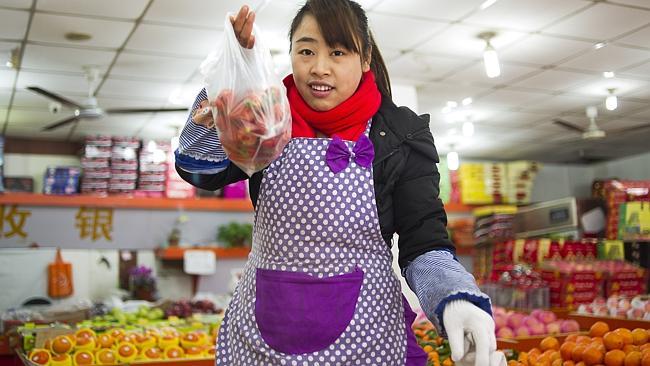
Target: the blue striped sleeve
(437, 278)
(200, 149)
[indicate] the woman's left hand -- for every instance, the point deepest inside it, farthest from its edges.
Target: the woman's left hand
(471, 335)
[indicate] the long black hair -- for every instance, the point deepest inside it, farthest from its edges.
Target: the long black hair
(345, 23)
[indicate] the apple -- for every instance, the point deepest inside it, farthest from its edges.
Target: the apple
(505, 332)
(522, 331)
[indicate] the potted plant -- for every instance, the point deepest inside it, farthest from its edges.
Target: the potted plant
(142, 283)
(235, 235)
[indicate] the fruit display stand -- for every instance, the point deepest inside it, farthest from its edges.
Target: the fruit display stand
(586, 321)
(187, 362)
(526, 343)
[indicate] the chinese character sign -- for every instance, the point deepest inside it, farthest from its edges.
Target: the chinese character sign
(13, 221)
(94, 223)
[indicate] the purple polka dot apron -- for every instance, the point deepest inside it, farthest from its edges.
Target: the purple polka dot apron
(318, 287)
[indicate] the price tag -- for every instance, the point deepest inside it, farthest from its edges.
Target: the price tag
(199, 262)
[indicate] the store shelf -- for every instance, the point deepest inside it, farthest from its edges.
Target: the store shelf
(527, 343)
(181, 362)
(192, 204)
(172, 254)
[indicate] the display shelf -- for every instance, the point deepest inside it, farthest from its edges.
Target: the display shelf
(177, 253)
(586, 321)
(191, 204)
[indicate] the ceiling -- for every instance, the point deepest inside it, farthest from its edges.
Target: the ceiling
(148, 53)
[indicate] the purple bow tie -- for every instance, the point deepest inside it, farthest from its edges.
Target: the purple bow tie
(338, 155)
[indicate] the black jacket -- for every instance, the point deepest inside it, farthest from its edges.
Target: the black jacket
(406, 182)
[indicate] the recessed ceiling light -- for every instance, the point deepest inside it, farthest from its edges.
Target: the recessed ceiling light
(608, 74)
(467, 101)
(600, 45)
(77, 36)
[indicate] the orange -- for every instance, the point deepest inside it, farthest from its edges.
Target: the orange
(549, 343)
(174, 352)
(61, 344)
(583, 340)
(568, 363)
(630, 348)
(578, 350)
(427, 349)
(598, 329)
(613, 340)
(571, 338)
(626, 334)
(40, 356)
(645, 360)
(633, 358)
(126, 349)
(513, 363)
(615, 358)
(592, 356)
(566, 350)
(84, 333)
(106, 356)
(640, 336)
(83, 358)
(152, 353)
(104, 340)
(557, 362)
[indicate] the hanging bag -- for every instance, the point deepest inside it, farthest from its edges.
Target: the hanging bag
(249, 101)
(59, 277)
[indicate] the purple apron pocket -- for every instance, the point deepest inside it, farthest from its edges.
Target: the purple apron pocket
(415, 355)
(298, 313)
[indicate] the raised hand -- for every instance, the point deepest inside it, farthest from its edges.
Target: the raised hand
(243, 26)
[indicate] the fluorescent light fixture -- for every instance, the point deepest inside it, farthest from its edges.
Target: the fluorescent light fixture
(467, 101)
(609, 74)
(611, 103)
(453, 160)
(487, 3)
(9, 64)
(468, 129)
(600, 45)
(491, 60)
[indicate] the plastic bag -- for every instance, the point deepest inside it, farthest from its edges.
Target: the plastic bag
(59, 277)
(249, 103)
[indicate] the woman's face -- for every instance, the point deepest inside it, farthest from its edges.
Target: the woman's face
(325, 76)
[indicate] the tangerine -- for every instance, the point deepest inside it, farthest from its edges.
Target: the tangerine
(645, 360)
(568, 363)
(640, 336)
(571, 338)
(557, 362)
(626, 334)
(578, 350)
(567, 349)
(598, 329)
(549, 343)
(633, 358)
(592, 355)
(615, 358)
(613, 341)
(630, 348)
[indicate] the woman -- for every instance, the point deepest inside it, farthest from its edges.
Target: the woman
(318, 287)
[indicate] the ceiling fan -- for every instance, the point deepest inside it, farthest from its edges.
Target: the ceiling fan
(593, 132)
(89, 109)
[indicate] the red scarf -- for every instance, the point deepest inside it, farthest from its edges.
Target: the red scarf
(347, 120)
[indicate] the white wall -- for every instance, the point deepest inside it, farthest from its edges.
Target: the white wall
(632, 168)
(34, 166)
(559, 181)
(23, 275)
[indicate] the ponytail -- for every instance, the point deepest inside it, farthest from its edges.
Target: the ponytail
(378, 67)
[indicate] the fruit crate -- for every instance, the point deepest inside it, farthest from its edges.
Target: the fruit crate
(181, 362)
